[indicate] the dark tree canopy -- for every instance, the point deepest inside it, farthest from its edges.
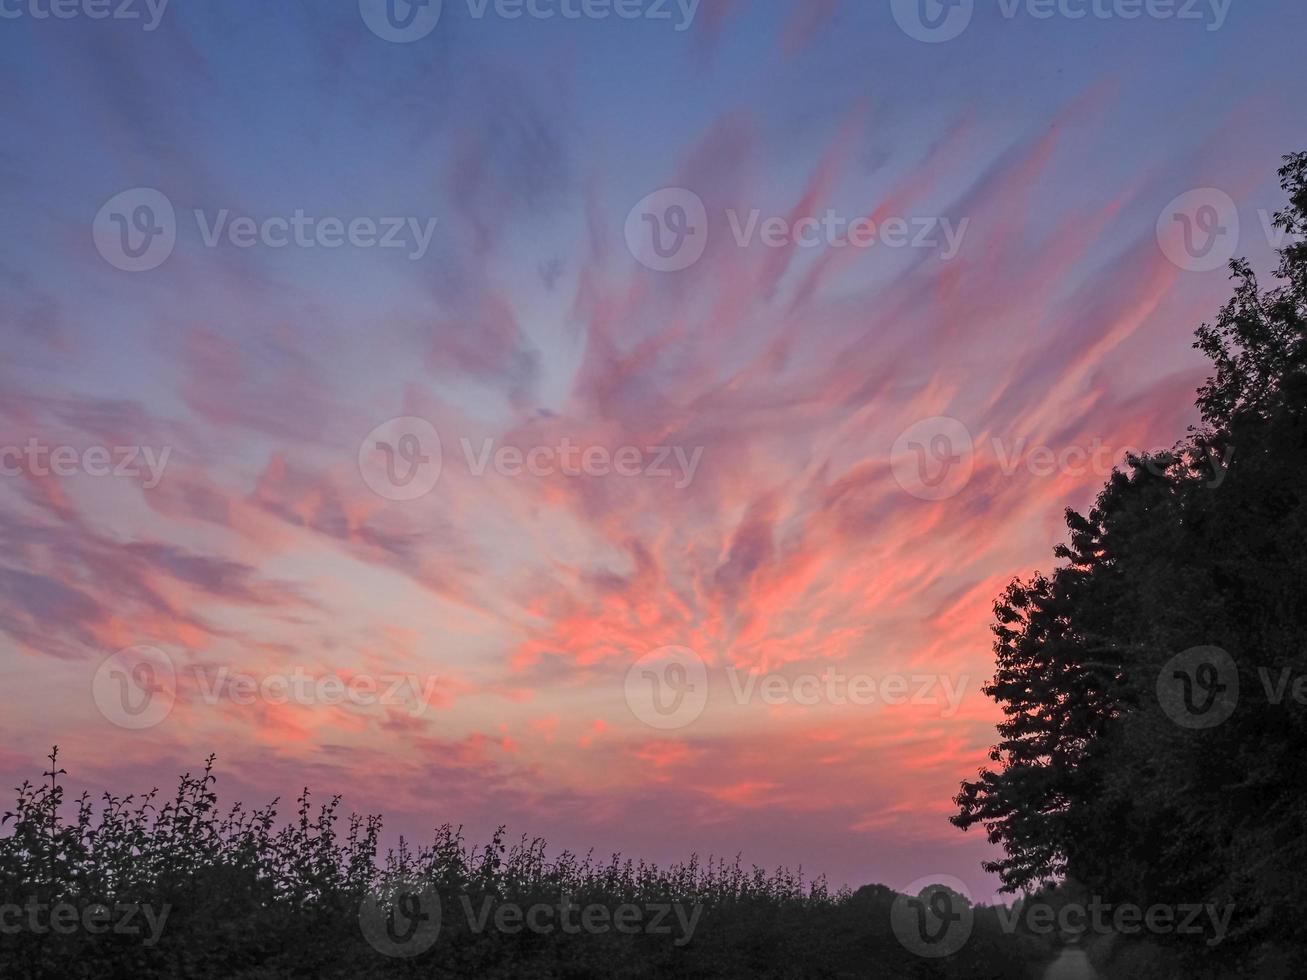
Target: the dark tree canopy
(1094, 780)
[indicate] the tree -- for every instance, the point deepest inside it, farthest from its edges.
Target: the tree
(1205, 546)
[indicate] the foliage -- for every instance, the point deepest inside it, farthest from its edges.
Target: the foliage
(247, 898)
(1202, 546)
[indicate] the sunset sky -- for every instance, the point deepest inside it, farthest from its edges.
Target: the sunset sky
(765, 518)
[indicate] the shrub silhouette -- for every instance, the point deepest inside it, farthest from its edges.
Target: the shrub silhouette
(247, 897)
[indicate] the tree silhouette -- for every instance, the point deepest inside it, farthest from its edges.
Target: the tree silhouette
(1202, 547)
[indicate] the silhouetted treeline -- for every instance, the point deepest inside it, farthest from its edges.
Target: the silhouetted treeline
(1155, 742)
(231, 894)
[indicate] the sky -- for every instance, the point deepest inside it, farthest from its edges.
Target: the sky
(612, 420)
